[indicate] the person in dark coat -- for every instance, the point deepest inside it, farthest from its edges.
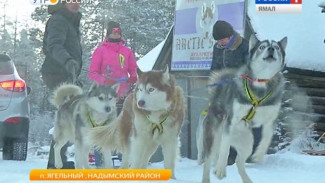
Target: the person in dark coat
(61, 45)
(231, 51)
(63, 56)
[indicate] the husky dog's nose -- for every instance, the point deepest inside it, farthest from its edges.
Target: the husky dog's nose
(141, 103)
(271, 50)
(108, 109)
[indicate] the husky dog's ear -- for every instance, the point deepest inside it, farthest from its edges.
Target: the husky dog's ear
(115, 87)
(213, 6)
(166, 74)
(283, 42)
(252, 41)
(139, 72)
(93, 87)
(204, 7)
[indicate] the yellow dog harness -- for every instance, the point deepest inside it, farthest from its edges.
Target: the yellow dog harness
(93, 123)
(255, 102)
(158, 127)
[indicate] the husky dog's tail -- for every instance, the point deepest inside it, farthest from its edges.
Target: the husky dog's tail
(64, 93)
(105, 136)
(221, 78)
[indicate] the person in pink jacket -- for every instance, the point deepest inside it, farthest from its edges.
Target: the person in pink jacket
(113, 62)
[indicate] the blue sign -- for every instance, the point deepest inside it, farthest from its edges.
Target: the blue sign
(272, 1)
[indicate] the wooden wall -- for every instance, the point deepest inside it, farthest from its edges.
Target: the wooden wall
(313, 84)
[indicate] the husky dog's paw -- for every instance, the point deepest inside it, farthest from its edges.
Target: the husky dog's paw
(206, 180)
(247, 181)
(220, 171)
(257, 157)
(58, 164)
(200, 159)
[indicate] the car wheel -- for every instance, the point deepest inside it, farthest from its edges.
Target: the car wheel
(7, 149)
(15, 149)
(20, 149)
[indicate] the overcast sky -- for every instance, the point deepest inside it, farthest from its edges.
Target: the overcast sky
(23, 9)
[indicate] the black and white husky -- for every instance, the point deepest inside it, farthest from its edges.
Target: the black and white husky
(253, 99)
(77, 114)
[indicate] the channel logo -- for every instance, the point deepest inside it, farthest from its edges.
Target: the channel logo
(278, 6)
(44, 2)
(54, 2)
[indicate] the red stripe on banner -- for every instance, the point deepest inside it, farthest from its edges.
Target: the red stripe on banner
(295, 1)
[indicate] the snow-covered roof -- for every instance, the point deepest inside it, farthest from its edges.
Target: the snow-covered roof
(147, 62)
(305, 32)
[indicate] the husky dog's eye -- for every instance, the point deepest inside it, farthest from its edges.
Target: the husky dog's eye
(151, 89)
(110, 98)
(276, 47)
(101, 98)
(262, 47)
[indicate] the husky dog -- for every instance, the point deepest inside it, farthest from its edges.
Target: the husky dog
(116, 135)
(151, 116)
(253, 99)
(159, 111)
(77, 114)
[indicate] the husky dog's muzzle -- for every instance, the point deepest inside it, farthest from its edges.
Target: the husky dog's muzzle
(141, 103)
(108, 108)
(270, 57)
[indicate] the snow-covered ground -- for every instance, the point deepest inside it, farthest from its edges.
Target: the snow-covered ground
(283, 167)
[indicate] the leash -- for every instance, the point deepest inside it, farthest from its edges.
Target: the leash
(119, 80)
(217, 84)
(254, 101)
(220, 83)
(230, 80)
(196, 97)
(254, 80)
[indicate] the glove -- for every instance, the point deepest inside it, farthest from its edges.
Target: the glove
(71, 67)
(132, 80)
(79, 83)
(109, 82)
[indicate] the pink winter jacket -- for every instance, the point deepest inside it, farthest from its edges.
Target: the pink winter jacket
(115, 61)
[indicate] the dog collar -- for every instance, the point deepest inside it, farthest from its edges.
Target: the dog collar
(254, 80)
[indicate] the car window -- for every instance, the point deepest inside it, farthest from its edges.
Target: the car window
(6, 68)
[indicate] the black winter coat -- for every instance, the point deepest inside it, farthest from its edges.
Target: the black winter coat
(62, 42)
(233, 57)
